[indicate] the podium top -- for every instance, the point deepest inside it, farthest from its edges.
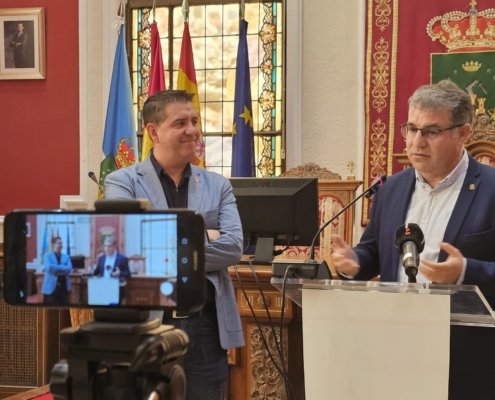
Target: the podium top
(468, 306)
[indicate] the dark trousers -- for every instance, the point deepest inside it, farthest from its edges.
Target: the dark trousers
(60, 295)
(205, 363)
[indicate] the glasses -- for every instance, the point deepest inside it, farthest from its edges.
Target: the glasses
(406, 130)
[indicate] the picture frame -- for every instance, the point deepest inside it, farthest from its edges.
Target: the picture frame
(22, 43)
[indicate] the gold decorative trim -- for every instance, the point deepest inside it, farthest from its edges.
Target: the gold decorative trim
(380, 81)
(378, 140)
(393, 87)
(382, 12)
(364, 216)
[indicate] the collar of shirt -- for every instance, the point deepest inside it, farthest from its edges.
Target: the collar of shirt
(450, 179)
(159, 170)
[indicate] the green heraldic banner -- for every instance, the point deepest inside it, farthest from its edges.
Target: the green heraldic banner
(473, 72)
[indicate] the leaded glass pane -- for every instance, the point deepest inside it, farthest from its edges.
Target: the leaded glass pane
(214, 37)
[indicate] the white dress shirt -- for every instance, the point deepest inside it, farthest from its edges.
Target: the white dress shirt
(109, 261)
(431, 209)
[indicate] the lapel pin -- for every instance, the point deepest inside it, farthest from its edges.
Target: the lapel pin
(471, 186)
(197, 180)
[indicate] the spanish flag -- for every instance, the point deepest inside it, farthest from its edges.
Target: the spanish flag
(186, 80)
(157, 82)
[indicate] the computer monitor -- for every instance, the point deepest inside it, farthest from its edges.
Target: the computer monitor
(277, 211)
(77, 262)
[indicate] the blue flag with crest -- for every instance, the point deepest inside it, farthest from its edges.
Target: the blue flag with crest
(119, 139)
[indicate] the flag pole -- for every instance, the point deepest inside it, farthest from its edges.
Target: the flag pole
(154, 10)
(185, 10)
(241, 10)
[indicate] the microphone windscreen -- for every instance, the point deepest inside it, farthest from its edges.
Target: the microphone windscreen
(92, 175)
(409, 233)
(380, 179)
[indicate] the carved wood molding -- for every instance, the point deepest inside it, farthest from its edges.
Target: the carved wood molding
(266, 382)
(311, 170)
(482, 129)
(80, 316)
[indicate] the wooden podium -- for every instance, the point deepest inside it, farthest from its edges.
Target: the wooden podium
(252, 374)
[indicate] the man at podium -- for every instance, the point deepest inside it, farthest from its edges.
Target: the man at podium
(447, 193)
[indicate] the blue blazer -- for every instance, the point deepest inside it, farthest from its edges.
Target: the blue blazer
(53, 270)
(120, 262)
(210, 194)
(471, 228)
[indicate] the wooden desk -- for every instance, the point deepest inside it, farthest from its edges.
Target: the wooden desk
(252, 374)
(139, 290)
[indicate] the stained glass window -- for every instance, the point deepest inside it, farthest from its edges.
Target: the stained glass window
(214, 36)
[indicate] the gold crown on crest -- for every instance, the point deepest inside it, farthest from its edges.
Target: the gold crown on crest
(107, 230)
(461, 31)
(471, 66)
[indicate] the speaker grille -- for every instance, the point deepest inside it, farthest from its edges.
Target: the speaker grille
(18, 345)
(52, 341)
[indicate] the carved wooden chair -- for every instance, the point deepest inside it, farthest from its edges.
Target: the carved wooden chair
(334, 194)
(137, 264)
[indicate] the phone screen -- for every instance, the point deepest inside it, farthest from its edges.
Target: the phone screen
(81, 259)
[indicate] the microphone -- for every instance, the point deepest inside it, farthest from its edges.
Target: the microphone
(410, 242)
(92, 175)
(310, 268)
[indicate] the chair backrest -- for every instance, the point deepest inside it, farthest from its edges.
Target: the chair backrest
(137, 264)
(334, 194)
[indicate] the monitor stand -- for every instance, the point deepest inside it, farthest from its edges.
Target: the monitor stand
(263, 254)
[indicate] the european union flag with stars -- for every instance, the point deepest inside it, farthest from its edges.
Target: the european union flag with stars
(242, 130)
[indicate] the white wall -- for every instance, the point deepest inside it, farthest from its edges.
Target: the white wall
(333, 73)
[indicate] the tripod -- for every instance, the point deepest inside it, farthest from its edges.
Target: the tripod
(122, 355)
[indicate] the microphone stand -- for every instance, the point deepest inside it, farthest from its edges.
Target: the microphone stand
(318, 269)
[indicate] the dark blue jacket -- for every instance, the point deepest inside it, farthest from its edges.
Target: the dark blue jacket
(471, 228)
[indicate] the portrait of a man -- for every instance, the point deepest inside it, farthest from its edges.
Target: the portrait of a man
(19, 44)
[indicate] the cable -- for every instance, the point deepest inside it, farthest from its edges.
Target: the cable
(263, 336)
(279, 345)
(289, 268)
(281, 251)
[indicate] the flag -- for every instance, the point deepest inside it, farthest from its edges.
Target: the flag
(68, 241)
(186, 80)
(157, 82)
(119, 139)
(242, 128)
(45, 246)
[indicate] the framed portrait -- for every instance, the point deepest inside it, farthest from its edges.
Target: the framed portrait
(22, 43)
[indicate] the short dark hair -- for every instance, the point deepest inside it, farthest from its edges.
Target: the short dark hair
(154, 106)
(54, 240)
(445, 95)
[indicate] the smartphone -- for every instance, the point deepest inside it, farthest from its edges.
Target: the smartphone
(84, 259)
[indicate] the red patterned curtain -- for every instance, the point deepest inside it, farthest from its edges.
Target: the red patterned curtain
(398, 61)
